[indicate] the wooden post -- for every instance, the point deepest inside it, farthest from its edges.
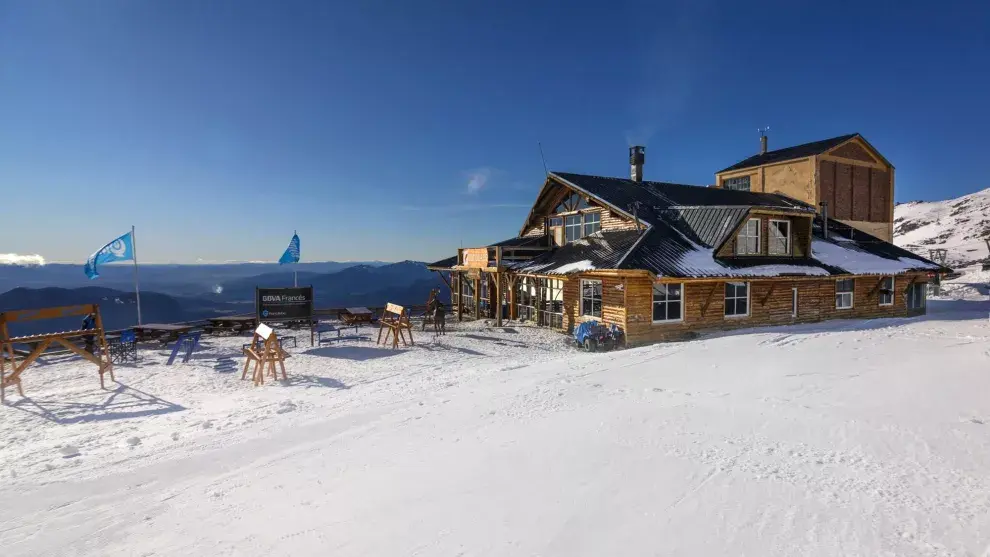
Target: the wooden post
(460, 296)
(498, 297)
(477, 297)
(511, 283)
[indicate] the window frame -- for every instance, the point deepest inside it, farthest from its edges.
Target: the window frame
(851, 293)
(601, 297)
(733, 183)
(725, 298)
(771, 238)
(881, 293)
(585, 223)
(912, 288)
(680, 300)
(759, 234)
(568, 226)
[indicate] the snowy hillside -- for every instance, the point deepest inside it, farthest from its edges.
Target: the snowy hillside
(838, 438)
(960, 226)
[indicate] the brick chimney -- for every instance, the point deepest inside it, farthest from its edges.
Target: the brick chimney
(637, 156)
(763, 144)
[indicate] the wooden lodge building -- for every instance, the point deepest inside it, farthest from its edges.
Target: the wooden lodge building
(664, 261)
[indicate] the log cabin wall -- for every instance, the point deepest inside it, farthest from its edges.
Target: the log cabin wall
(769, 304)
(613, 301)
(800, 234)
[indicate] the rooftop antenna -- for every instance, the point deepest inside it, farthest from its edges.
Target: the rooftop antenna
(763, 139)
(542, 158)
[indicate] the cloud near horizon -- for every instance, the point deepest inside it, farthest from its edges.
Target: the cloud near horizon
(478, 179)
(16, 259)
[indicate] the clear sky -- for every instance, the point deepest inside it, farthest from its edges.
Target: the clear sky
(402, 130)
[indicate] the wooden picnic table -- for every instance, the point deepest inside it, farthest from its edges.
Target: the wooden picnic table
(235, 323)
(167, 331)
(356, 315)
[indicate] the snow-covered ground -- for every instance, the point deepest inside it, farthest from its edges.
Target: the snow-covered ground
(838, 438)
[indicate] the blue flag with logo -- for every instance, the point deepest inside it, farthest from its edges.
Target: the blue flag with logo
(291, 254)
(121, 249)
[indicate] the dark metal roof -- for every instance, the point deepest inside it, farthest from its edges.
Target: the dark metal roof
(523, 242)
(651, 198)
(790, 153)
(601, 250)
(443, 263)
(709, 226)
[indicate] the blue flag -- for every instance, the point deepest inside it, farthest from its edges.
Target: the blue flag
(291, 254)
(121, 249)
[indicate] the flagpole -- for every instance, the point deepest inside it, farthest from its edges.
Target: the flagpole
(137, 290)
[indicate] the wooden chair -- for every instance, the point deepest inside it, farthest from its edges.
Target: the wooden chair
(394, 321)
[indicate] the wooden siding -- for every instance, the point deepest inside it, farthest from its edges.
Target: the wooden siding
(860, 193)
(853, 150)
(769, 304)
(800, 233)
(794, 179)
(613, 301)
(615, 221)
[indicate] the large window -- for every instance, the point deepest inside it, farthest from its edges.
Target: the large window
(780, 237)
(526, 299)
(591, 298)
(592, 223)
(741, 183)
(572, 202)
(668, 303)
(551, 303)
(917, 293)
(736, 299)
(844, 293)
(886, 296)
(748, 241)
(572, 228)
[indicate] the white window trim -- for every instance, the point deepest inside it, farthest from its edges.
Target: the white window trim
(794, 303)
(669, 321)
(852, 295)
(749, 301)
(759, 236)
(893, 291)
(583, 314)
(770, 239)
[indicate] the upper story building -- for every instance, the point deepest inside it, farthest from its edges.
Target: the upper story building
(849, 175)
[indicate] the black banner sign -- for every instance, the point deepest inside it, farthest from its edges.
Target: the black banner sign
(280, 305)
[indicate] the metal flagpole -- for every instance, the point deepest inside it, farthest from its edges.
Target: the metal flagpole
(137, 290)
(295, 278)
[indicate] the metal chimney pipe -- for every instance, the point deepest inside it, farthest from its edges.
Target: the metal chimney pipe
(824, 205)
(637, 156)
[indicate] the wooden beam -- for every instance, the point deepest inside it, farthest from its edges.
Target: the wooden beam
(708, 300)
(876, 287)
(773, 286)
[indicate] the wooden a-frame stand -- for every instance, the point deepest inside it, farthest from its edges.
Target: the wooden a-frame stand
(41, 342)
(394, 321)
(264, 358)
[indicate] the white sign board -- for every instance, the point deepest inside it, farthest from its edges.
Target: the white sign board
(263, 331)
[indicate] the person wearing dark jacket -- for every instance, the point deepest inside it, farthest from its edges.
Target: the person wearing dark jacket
(88, 323)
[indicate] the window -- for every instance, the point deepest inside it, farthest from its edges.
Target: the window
(551, 303)
(667, 303)
(572, 202)
(467, 294)
(572, 228)
(886, 291)
(591, 298)
(794, 305)
(748, 241)
(526, 299)
(736, 299)
(592, 223)
(844, 293)
(917, 293)
(780, 237)
(556, 221)
(741, 183)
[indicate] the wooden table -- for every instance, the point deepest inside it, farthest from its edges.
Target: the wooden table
(161, 330)
(356, 315)
(233, 323)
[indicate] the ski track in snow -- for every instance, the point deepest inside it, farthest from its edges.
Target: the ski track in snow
(837, 438)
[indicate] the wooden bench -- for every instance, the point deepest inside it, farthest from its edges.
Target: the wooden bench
(41, 342)
(394, 321)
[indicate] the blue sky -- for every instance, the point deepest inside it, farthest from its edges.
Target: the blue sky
(403, 130)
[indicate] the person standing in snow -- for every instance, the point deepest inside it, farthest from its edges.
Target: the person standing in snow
(89, 323)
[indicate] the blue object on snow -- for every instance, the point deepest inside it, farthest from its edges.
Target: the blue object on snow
(582, 331)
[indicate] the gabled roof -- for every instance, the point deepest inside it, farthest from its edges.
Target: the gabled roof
(790, 153)
(443, 264)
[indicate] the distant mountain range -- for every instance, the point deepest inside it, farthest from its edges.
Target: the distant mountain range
(407, 283)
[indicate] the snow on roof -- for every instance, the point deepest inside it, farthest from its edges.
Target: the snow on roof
(858, 262)
(700, 262)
